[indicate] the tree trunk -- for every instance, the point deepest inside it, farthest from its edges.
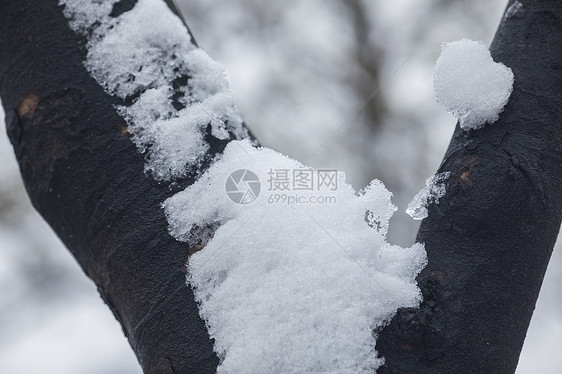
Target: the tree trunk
(490, 237)
(488, 240)
(86, 178)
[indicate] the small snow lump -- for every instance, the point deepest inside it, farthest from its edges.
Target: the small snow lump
(434, 190)
(469, 84)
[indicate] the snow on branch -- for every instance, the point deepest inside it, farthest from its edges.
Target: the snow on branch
(470, 85)
(293, 285)
(282, 287)
(145, 56)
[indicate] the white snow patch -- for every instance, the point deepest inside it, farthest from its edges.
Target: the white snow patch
(434, 190)
(146, 55)
(84, 14)
(283, 287)
(514, 10)
(469, 84)
(293, 288)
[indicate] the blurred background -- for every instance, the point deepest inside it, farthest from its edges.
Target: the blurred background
(336, 84)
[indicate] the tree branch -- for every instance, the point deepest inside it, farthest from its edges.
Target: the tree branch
(488, 240)
(86, 178)
(490, 237)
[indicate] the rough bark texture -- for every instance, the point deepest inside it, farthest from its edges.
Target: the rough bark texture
(490, 238)
(86, 178)
(488, 241)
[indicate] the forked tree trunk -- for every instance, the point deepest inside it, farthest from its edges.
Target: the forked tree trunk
(488, 240)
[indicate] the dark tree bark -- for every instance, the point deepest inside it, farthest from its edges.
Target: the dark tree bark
(86, 178)
(488, 241)
(490, 237)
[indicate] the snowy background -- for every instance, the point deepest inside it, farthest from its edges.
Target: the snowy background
(337, 84)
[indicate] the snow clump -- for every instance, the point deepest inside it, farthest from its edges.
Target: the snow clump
(469, 84)
(293, 287)
(178, 93)
(294, 273)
